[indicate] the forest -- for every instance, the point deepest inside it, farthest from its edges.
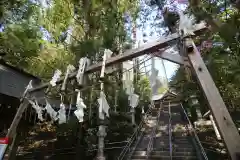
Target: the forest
(40, 36)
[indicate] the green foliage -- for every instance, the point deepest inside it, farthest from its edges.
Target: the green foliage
(142, 87)
(162, 90)
(102, 26)
(58, 17)
(50, 58)
(19, 42)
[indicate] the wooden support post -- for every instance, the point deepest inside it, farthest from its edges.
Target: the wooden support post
(13, 128)
(11, 151)
(101, 135)
(223, 119)
(11, 131)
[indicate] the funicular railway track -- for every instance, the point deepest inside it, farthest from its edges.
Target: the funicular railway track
(166, 134)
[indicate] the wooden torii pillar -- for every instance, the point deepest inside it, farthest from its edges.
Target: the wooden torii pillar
(223, 119)
(219, 110)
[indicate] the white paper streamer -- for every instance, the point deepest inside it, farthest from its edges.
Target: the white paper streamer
(62, 114)
(134, 99)
(107, 54)
(103, 105)
(143, 110)
(51, 111)
(38, 109)
(83, 63)
(79, 113)
(55, 77)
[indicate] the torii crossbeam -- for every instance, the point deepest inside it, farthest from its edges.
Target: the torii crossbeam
(223, 119)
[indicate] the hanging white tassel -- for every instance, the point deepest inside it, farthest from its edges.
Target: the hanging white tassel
(103, 106)
(83, 63)
(55, 77)
(79, 113)
(143, 110)
(107, 54)
(134, 99)
(112, 68)
(51, 111)
(62, 114)
(129, 88)
(38, 109)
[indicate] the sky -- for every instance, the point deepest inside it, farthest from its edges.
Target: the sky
(169, 66)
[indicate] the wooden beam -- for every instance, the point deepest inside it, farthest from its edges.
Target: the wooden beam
(130, 54)
(175, 58)
(13, 128)
(17, 118)
(223, 119)
(11, 151)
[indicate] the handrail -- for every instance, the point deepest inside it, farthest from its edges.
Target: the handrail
(170, 130)
(153, 134)
(134, 135)
(195, 135)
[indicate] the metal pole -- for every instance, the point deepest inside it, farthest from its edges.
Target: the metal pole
(170, 129)
(133, 116)
(101, 135)
(116, 101)
(165, 72)
(90, 106)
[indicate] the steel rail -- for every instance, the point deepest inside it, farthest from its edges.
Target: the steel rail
(195, 135)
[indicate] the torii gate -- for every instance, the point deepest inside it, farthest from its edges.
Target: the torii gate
(194, 60)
